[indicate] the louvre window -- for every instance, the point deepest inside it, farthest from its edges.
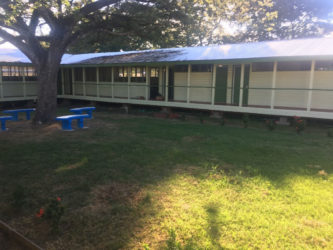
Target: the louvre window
(262, 66)
(105, 74)
(138, 74)
(202, 68)
(121, 74)
(324, 66)
(91, 74)
(12, 73)
(154, 72)
(78, 74)
(294, 66)
(181, 68)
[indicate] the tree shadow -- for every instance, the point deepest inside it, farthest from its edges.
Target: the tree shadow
(214, 224)
(146, 157)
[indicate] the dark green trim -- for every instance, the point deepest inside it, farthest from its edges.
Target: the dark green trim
(246, 84)
(221, 84)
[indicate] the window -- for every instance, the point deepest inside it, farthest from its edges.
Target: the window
(91, 74)
(30, 74)
(78, 74)
(154, 72)
(12, 73)
(324, 66)
(181, 68)
(202, 68)
(138, 74)
(121, 74)
(294, 66)
(262, 66)
(105, 74)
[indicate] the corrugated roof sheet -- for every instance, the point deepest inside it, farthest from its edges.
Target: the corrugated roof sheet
(256, 50)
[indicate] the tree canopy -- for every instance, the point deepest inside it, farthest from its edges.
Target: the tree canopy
(43, 30)
(205, 22)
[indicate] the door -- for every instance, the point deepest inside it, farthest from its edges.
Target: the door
(171, 83)
(246, 85)
(221, 84)
(68, 88)
(153, 87)
(236, 84)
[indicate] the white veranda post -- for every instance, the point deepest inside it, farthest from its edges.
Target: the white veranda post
(273, 85)
(312, 72)
(188, 83)
(213, 84)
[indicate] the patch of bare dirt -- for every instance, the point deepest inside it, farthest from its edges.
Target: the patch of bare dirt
(103, 196)
(24, 130)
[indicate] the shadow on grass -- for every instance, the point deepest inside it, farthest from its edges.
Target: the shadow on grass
(214, 225)
(145, 152)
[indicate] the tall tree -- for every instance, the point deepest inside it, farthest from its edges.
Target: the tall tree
(67, 21)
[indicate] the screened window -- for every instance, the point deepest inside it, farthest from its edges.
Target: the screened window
(138, 74)
(121, 74)
(202, 68)
(91, 74)
(154, 72)
(324, 66)
(30, 74)
(105, 74)
(78, 74)
(262, 66)
(294, 66)
(12, 73)
(181, 68)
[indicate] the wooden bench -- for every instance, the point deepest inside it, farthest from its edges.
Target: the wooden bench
(66, 121)
(87, 110)
(14, 113)
(3, 120)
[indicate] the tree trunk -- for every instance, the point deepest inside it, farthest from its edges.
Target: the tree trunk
(47, 90)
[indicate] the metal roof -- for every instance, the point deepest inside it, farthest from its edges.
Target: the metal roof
(317, 47)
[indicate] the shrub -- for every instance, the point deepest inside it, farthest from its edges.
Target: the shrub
(246, 120)
(299, 124)
(270, 124)
(53, 212)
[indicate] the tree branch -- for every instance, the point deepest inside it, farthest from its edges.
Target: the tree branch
(89, 8)
(17, 41)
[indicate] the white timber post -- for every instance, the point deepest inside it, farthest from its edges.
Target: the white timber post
(73, 80)
(147, 82)
(273, 85)
(241, 85)
(1, 86)
(62, 82)
(84, 81)
(97, 81)
(213, 84)
(129, 74)
(167, 83)
(112, 82)
(312, 72)
(188, 83)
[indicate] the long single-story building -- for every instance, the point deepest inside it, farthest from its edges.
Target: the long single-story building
(283, 78)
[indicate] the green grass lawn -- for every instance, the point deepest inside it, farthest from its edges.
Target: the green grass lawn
(135, 182)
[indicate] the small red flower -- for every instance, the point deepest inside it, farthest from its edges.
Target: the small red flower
(40, 213)
(58, 199)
